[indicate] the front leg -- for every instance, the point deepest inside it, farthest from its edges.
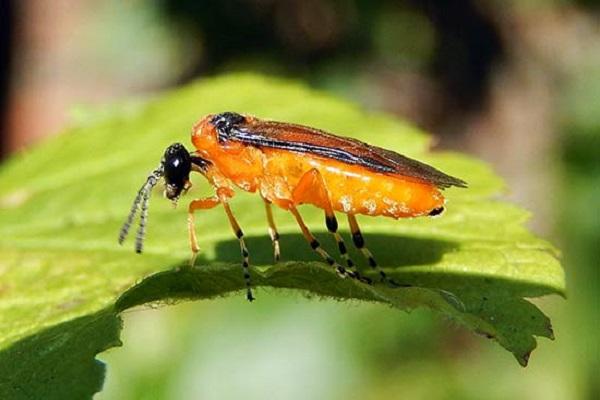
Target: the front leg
(312, 189)
(198, 204)
(224, 194)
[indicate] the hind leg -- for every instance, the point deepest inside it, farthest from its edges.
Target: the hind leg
(311, 189)
(359, 243)
(316, 246)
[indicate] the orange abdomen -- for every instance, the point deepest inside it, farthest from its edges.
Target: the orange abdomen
(356, 189)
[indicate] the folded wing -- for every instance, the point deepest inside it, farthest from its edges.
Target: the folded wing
(303, 139)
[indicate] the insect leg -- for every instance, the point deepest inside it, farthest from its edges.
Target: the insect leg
(359, 243)
(198, 204)
(315, 245)
(273, 231)
(312, 189)
(240, 235)
(332, 226)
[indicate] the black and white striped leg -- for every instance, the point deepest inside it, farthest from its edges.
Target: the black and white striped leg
(244, 250)
(273, 231)
(316, 246)
(332, 227)
(359, 243)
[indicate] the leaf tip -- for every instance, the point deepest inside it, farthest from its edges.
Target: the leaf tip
(523, 359)
(550, 331)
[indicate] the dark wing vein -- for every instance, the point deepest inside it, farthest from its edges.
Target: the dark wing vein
(302, 139)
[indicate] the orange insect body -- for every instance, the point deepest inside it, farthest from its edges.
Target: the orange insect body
(289, 165)
(276, 173)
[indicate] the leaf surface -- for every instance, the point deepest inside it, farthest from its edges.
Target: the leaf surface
(64, 279)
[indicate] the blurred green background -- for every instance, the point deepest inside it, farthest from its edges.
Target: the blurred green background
(516, 83)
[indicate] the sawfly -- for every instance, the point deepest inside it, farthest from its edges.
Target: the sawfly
(289, 165)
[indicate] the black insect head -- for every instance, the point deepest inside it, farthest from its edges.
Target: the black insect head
(177, 164)
(175, 167)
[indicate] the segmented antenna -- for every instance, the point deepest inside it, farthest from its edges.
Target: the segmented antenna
(139, 237)
(131, 216)
(143, 198)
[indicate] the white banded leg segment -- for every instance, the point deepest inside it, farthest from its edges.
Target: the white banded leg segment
(359, 243)
(316, 246)
(332, 227)
(244, 250)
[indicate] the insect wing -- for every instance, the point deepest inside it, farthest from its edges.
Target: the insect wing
(303, 139)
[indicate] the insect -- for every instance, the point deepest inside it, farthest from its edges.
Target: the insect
(289, 165)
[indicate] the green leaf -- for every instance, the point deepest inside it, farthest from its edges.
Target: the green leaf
(64, 279)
